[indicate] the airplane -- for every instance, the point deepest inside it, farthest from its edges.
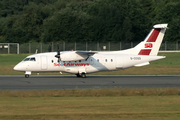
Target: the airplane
(81, 63)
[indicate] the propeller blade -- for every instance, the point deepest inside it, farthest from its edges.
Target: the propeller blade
(58, 52)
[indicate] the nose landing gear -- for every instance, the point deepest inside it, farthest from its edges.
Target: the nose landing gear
(27, 73)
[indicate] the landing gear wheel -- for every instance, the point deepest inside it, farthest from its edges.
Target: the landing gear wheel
(83, 75)
(78, 75)
(26, 76)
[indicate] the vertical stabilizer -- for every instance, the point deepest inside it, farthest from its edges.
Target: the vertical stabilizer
(151, 44)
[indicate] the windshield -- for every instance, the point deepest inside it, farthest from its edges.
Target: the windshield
(26, 59)
(30, 59)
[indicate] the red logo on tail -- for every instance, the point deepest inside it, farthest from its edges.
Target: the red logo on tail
(148, 45)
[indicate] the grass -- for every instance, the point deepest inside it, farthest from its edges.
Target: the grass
(102, 104)
(88, 108)
(116, 92)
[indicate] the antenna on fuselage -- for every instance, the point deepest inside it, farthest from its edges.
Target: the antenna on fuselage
(36, 51)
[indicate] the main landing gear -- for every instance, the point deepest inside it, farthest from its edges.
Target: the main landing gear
(83, 75)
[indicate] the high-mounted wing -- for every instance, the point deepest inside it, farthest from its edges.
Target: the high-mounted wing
(89, 53)
(75, 55)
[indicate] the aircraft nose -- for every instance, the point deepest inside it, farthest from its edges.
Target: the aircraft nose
(17, 67)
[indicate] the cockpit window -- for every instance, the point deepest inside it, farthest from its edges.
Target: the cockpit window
(29, 59)
(33, 59)
(26, 59)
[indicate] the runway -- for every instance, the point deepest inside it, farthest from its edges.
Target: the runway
(20, 83)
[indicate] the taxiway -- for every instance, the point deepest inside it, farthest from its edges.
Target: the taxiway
(43, 82)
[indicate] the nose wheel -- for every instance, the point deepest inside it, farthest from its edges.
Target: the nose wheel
(26, 75)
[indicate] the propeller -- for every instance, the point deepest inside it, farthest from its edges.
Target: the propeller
(58, 53)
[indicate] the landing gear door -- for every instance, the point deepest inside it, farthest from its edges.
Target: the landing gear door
(44, 63)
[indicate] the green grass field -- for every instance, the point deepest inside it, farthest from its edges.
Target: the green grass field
(96, 104)
(169, 66)
(91, 108)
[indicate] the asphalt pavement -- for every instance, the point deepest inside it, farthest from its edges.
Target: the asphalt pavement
(49, 82)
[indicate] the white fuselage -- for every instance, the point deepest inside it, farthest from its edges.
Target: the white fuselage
(102, 61)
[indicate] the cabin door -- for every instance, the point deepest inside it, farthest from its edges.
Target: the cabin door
(44, 62)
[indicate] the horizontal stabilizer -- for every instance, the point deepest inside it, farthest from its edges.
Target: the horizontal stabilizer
(153, 58)
(142, 64)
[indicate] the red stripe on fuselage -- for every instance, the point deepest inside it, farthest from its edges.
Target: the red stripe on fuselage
(154, 35)
(145, 52)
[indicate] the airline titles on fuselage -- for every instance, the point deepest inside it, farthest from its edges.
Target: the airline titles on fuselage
(71, 64)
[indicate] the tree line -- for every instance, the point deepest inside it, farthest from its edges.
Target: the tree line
(23, 21)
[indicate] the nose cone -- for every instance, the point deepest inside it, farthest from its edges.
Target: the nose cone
(18, 67)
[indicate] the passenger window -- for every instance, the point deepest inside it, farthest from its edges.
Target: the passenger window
(98, 60)
(79, 60)
(106, 60)
(111, 60)
(52, 61)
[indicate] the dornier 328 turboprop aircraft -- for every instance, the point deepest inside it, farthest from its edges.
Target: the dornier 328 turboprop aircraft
(83, 62)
